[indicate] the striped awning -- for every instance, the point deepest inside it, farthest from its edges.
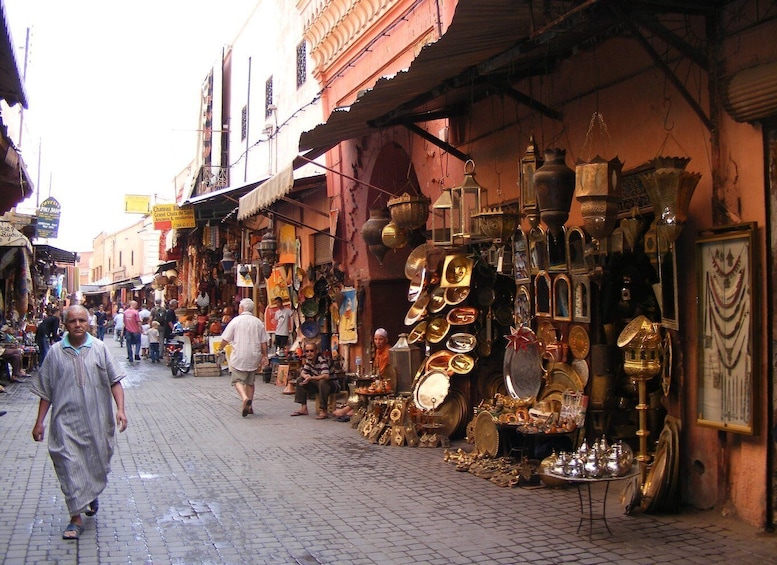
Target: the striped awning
(266, 193)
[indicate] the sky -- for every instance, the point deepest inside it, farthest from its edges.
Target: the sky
(113, 92)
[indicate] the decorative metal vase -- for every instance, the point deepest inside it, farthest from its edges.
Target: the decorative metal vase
(409, 212)
(372, 232)
(554, 184)
(598, 189)
(670, 188)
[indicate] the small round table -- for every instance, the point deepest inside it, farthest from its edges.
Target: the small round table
(589, 514)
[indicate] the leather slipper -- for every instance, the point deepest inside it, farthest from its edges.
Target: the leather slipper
(246, 407)
(73, 531)
(322, 417)
(299, 413)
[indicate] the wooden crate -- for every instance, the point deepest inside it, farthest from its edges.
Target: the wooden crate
(207, 370)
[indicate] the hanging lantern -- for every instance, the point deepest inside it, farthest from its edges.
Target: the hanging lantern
(554, 183)
(409, 212)
(598, 189)
(227, 260)
(466, 200)
(372, 232)
(393, 236)
(498, 223)
(266, 268)
(529, 164)
(268, 246)
(670, 188)
(442, 219)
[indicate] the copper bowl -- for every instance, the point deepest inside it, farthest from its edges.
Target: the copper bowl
(439, 361)
(456, 295)
(462, 316)
(461, 364)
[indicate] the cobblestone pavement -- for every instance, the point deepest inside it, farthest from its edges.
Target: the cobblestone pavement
(194, 482)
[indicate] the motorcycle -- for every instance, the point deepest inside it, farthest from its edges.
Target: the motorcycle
(179, 354)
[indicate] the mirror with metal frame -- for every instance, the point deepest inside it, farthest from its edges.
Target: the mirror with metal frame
(562, 291)
(576, 242)
(557, 251)
(522, 306)
(581, 298)
(521, 262)
(543, 299)
(538, 250)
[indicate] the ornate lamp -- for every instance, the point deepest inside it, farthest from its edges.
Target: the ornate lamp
(670, 188)
(529, 164)
(442, 219)
(643, 353)
(599, 192)
(409, 212)
(227, 259)
(268, 246)
(466, 200)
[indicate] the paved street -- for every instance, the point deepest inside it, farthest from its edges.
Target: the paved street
(194, 482)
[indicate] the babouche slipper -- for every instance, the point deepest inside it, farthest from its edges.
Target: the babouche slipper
(298, 413)
(246, 407)
(93, 507)
(73, 531)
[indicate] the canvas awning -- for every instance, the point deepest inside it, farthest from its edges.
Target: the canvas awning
(217, 205)
(11, 237)
(266, 193)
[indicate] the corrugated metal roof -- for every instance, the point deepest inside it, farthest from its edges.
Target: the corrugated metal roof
(11, 87)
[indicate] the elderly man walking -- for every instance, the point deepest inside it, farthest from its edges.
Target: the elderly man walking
(249, 338)
(77, 381)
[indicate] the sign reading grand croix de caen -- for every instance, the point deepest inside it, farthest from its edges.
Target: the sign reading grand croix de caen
(170, 216)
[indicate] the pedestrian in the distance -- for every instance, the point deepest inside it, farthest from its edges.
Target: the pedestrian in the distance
(249, 338)
(132, 331)
(153, 341)
(77, 381)
(47, 333)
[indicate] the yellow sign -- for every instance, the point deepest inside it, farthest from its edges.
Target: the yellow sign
(137, 204)
(170, 216)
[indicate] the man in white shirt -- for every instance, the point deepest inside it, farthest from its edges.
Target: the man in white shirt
(249, 339)
(283, 321)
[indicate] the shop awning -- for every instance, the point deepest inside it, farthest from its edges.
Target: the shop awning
(47, 252)
(266, 193)
(166, 267)
(217, 205)
(480, 29)
(11, 86)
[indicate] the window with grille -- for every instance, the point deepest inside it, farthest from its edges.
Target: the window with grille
(268, 97)
(302, 67)
(244, 123)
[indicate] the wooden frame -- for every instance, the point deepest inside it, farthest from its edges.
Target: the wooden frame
(282, 377)
(576, 243)
(543, 295)
(728, 348)
(562, 299)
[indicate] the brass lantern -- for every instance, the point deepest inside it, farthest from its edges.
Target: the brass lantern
(406, 359)
(529, 164)
(466, 200)
(598, 189)
(670, 188)
(227, 260)
(442, 219)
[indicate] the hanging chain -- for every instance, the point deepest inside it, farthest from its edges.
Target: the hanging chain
(596, 117)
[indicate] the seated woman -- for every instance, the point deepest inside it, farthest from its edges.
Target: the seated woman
(381, 365)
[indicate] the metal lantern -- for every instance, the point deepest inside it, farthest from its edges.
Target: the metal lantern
(227, 260)
(598, 189)
(409, 212)
(406, 359)
(670, 188)
(268, 246)
(529, 164)
(442, 219)
(466, 200)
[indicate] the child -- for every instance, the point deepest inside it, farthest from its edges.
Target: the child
(153, 341)
(144, 337)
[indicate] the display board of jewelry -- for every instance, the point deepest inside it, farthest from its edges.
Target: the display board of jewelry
(727, 348)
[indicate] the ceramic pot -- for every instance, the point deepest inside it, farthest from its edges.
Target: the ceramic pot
(554, 184)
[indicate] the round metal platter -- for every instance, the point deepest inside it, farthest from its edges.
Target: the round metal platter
(416, 260)
(564, 375)
(581, 368)
(439, 360)
(547, 333)
(452, 413)
(492, 385)
(486, 435)
(418, 309)
(579, 342)
(418, 333)
(462, 316)
(437, 329)
(457, 271)
(522, 370)
(461, 343)
(456, 295)
(431, 390)
(437, 300)
(655, 476)
(461, 364)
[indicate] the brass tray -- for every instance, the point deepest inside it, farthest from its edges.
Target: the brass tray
(462, 316)
(456, 295)
(416, 261)
(418, 309)
(461, 342)
(564, 375)
(437, 329)
(579, 343)
(431, 391)
(457, 271)
(439, 361)
(418, 333)
(437, 300)
(486, 435)
(654, 482)
(452, 413)
(461, 364)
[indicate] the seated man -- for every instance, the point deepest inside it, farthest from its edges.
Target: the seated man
(11, 352)
(313, 378)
